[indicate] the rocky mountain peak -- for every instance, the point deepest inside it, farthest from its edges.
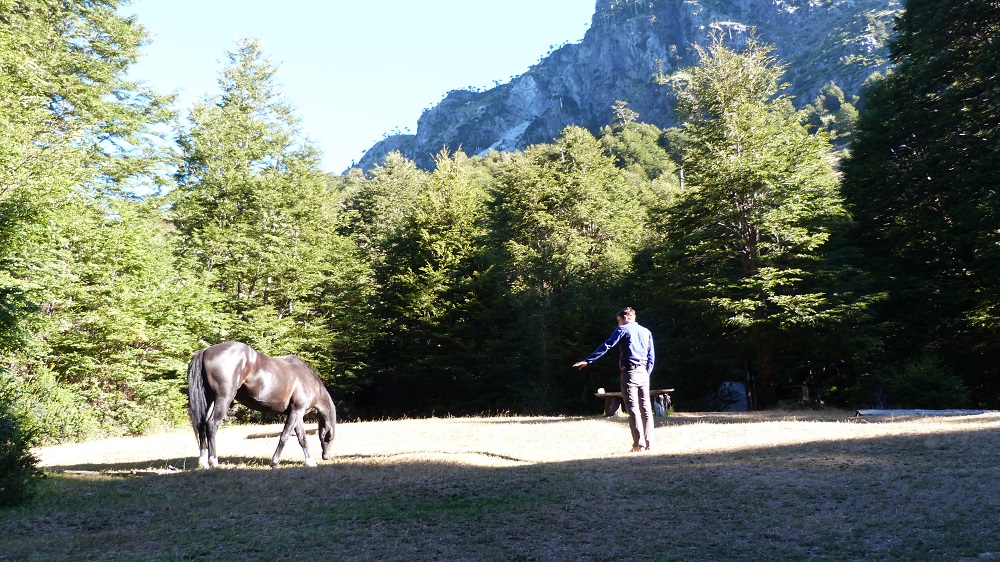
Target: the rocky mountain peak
(629, 47)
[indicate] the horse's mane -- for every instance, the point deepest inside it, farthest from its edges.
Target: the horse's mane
(296, 360)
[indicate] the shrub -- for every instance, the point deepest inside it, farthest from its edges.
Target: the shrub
(18, 466)
(925, 382)
(59, 413)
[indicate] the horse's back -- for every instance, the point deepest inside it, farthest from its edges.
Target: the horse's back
(230, 351)
(228, 347)
(228, 364)
(297, 367)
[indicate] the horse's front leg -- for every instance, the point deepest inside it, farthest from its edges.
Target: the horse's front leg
(300, 432)
(291, 424)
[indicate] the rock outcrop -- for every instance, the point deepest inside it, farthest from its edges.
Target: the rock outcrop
(629, 48)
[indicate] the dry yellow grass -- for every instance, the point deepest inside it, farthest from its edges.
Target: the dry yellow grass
(508, 441)
(757, 486)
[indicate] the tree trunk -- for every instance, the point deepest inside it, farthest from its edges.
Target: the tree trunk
(764, 381)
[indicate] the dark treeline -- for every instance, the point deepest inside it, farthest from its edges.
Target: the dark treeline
(754, 250)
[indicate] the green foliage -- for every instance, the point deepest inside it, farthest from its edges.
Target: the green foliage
(566, 216)
(257, 216)
(425, 271)
(56, 411)
(18, 465)
(66, 112)
(15, 306)
(120, 317)
(565, 224)
(638, 151)
(380, 207)
(925, 382)
(71, 130)
(921, 182)
(745, 243)
(831, 112)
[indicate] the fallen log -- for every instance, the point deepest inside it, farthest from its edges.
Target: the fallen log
(919, 412)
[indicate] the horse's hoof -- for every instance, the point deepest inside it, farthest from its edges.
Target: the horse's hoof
(311, 462)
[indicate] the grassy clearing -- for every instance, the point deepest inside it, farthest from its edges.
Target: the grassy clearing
(770, 486)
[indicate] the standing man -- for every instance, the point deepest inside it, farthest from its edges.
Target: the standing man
(635, 345)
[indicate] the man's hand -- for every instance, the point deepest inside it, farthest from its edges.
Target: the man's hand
(580, 364)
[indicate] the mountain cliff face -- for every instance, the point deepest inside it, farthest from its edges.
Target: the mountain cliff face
(630, 45)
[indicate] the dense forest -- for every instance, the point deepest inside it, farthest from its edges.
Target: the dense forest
(852, 247)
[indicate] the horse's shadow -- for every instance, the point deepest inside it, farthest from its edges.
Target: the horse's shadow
(270, 434)
(152, 467)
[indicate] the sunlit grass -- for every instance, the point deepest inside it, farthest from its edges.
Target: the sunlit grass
(757, 486)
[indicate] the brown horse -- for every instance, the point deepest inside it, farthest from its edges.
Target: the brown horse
(233, 370)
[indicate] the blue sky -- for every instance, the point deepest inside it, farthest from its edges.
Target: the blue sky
(354, 70)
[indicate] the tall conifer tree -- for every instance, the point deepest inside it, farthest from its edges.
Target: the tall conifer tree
(64, 105)
(425, 284)
(73, 135)
(745, 240)
(922, 184)
(565, 224)
(255, 211)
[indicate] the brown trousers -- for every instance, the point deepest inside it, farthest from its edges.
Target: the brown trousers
(635, 391)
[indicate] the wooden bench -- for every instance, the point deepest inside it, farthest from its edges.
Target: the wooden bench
(613, 401)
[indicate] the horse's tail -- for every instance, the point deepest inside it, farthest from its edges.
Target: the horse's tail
(197, 400)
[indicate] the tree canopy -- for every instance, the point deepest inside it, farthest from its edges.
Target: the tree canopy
(746, 239)
(921, 184)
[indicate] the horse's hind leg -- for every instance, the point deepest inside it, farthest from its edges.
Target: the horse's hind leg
(292, 423)
(216, 413)
(204, 436)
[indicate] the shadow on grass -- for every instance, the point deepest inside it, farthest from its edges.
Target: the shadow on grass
(932, 496)
(682, 418)
(163, 466)
(525, 420)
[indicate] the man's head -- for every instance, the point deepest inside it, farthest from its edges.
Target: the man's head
(626, 315)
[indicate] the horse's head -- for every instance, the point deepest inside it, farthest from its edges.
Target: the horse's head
(327, 425)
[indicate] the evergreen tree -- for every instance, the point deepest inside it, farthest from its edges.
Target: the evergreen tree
(921, 182)
(426, 282)
(379, 208)
(71, 129)
(121, 316)
(64, 107)
(565, 226)
(744, 249)
(832, 112)
(256, 213)
(638, 149)
(18, 465)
